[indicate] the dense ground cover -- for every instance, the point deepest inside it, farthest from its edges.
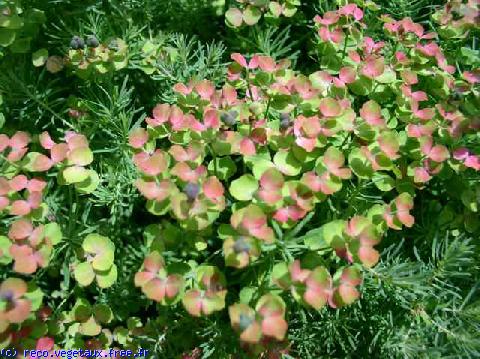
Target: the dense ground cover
(240, 179)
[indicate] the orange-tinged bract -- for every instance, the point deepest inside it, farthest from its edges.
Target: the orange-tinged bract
(209, 293)
(266, 320)
(97, 262)
(14, 306)
(155, 282)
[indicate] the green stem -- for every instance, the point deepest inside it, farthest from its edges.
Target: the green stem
(277, 229)
(251, 98)
(345, 46)
(9, 162)
(214, 155)
(300, 226)
(267, 109)
(70, 211)
(248, 86)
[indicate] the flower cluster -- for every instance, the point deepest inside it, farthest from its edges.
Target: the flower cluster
(69, 157)
(273, 144)
(268, 319)
(28, 243)
(98, 265)
(31, 247)
(208, 293)
(187, 190)
(89, 58)
(20, 196)
(272, 186)
(315, 287)
(18, 301)
(86, 58)
(457, 18)
(155, 282)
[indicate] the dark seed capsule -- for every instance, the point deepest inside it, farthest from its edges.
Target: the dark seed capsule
(7, 296)
(284, 121)
(92, 41)
(191, 190)
(77, 43)
(241, 245)
(245, 321)
(229, 118)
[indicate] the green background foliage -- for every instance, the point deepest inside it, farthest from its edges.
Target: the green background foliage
(422, 300)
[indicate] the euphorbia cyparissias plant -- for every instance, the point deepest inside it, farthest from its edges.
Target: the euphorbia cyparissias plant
(98, 265)
(14, 308)
(271, 146)
(155, 282)
(30, 247)
(208, 294)
(266, 320)
(70, 158)
(18, 300)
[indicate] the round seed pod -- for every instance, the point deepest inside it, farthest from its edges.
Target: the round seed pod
(241, 245)
(77, 43)
(245, 321)
(285, 121)
(191, 190)
(8, 296)
(92, 41)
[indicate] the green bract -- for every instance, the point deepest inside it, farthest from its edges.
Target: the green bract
(244, 187)
(209, 292)
(250, 12)
(110, 56)
(18, 25)
(99, 253)
(88, 318)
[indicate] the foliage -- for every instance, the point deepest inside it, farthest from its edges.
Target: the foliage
(240, 179)
(18, 26)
